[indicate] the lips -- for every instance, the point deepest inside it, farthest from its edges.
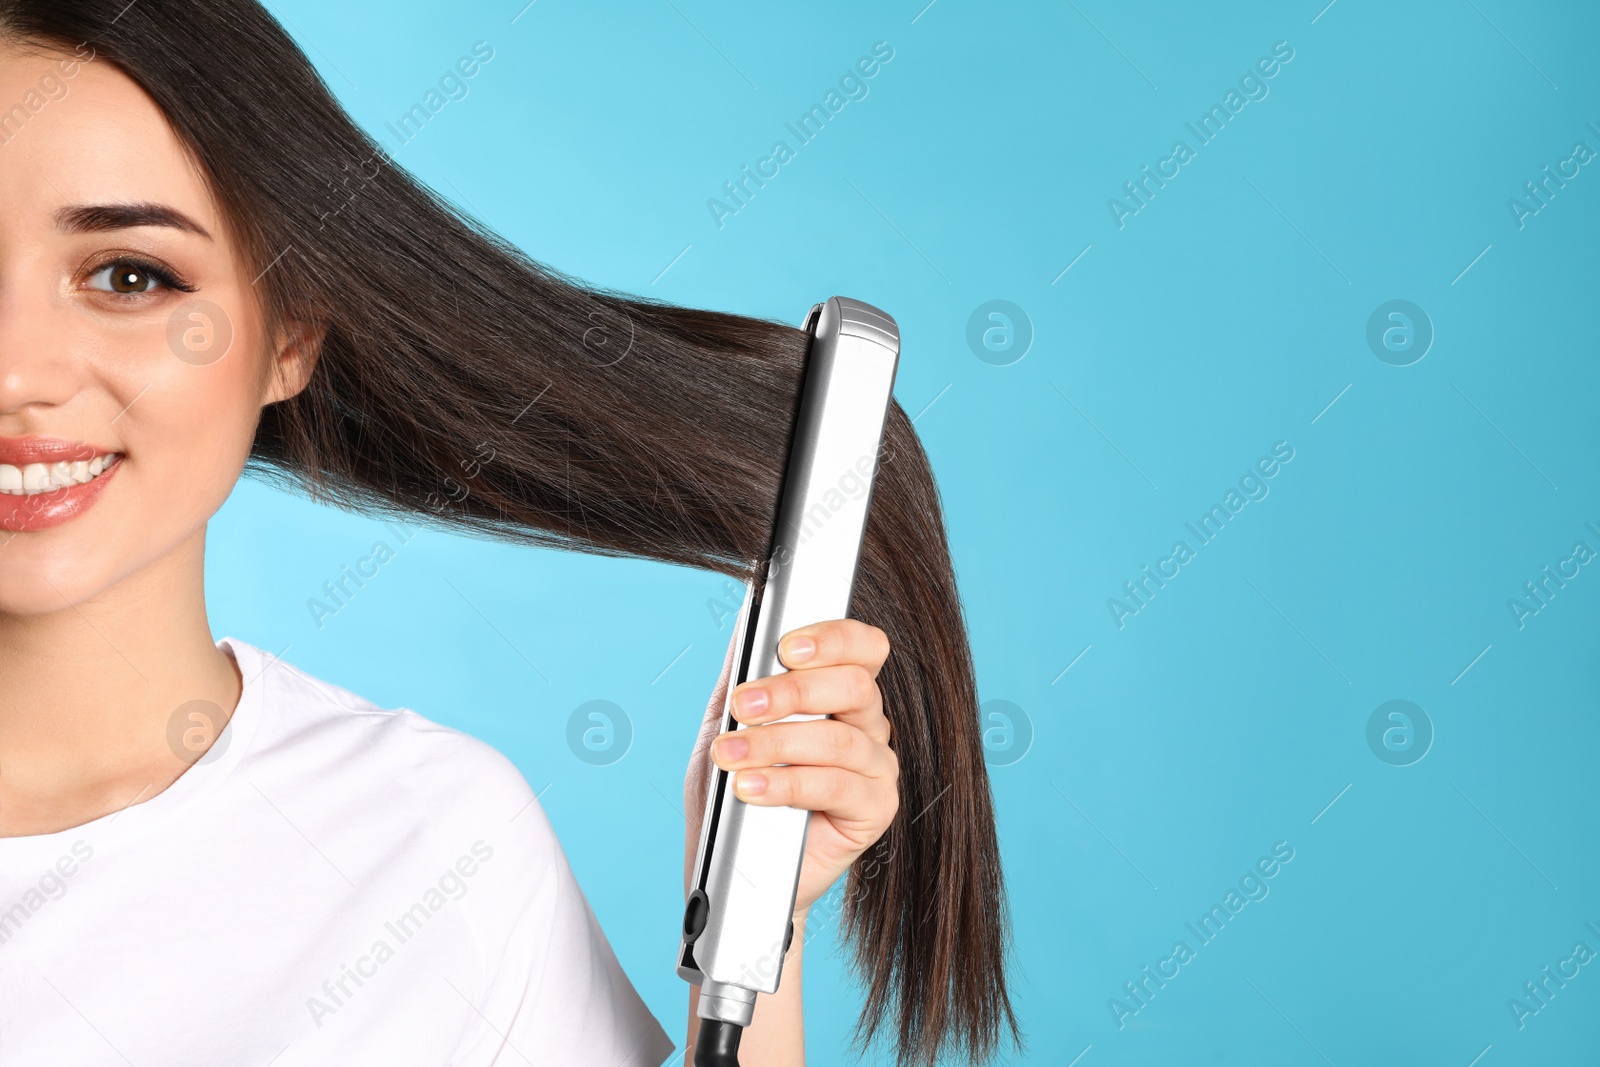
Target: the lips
(21, 451)
(51, 473)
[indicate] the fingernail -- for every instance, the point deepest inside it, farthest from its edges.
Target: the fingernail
(751, 701)
(750, 785)
(731, 748)
(799, 649)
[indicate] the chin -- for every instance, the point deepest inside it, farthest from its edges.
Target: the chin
(30, 595)
(40, 579)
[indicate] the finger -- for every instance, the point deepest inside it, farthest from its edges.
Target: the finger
(821, 743)
(843, 795)
(845, 690)
(712, 722)
(826, 644)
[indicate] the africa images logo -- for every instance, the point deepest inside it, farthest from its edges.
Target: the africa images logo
(1252, 87)
(1252, 486)
(1252, 886)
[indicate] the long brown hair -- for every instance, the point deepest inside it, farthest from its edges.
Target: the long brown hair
(464, 383)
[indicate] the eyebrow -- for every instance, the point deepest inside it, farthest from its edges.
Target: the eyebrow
(96, 218)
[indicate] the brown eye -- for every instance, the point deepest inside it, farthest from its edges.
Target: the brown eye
(128, 279)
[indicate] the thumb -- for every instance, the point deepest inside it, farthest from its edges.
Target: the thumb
(697, 783)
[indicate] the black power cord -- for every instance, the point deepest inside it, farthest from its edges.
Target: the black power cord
(718, 1045)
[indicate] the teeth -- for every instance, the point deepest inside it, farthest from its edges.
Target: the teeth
(38, 478)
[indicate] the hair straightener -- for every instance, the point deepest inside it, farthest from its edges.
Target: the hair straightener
(737, 925)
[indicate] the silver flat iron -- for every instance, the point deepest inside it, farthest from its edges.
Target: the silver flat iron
(737, 924)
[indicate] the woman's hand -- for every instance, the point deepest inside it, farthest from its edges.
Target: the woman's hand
(841, 769)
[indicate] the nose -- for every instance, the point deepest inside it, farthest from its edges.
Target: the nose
(38, 367)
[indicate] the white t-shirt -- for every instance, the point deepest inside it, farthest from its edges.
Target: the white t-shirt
(332, 884)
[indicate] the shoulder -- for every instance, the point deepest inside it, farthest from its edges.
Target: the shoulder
(395, 764)
(405, 802)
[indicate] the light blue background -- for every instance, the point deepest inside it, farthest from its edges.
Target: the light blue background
(1224, 317)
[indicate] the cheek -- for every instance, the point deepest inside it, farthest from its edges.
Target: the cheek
(192, 426)
(185, 425)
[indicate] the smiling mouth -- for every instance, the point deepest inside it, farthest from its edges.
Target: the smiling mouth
(36, 479)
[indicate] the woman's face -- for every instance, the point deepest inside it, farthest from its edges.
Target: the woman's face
(133, 357)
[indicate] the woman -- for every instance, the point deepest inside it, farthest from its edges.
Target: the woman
(205, 266)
